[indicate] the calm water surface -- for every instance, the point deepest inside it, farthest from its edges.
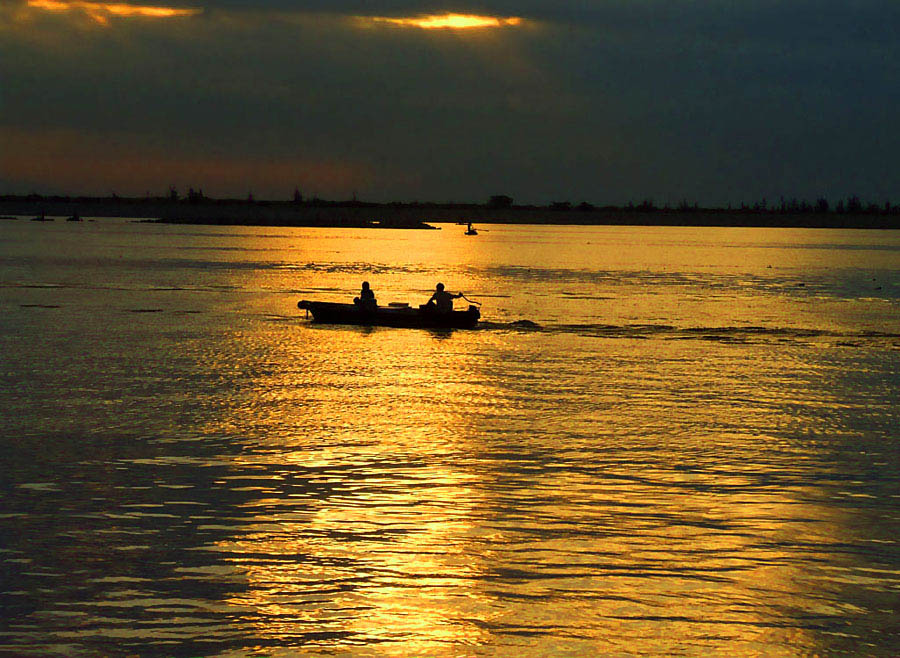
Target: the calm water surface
(663, 441)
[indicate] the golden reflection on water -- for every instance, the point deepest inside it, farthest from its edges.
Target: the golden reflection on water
(568, 490)
(394, 541)
(429, 491)
(433, 496)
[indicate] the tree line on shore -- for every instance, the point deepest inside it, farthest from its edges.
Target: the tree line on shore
(852, 205)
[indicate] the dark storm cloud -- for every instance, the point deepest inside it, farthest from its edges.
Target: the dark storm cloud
(607, 101)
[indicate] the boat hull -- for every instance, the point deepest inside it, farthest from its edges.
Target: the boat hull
(386, 316)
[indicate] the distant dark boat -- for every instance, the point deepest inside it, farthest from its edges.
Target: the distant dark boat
(74, 218)
(470, 230)
(390, 316)
(42, 218)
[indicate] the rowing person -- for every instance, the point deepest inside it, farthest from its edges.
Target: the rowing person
(366, 300)
(442, 300)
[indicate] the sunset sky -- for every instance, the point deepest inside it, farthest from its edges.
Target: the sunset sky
(713, 101)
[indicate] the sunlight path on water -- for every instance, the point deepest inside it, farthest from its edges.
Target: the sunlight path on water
(657, 444)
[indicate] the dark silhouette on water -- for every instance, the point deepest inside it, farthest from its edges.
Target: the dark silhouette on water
(74, 218)
(42, 218)
(366, 300)
(436, 313)
(441, 301)
(470, 230)
(390, 316)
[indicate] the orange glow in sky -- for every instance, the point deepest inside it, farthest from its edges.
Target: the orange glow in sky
(101, 11)
(450, 21)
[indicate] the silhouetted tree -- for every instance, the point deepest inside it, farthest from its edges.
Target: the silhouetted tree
(560, 205)
(500, 201)
(822, 205)
(854, 204)
(298, 198)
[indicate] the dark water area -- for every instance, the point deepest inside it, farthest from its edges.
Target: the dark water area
(659, 441)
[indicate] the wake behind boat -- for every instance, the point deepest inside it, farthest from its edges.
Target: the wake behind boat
(394, 315)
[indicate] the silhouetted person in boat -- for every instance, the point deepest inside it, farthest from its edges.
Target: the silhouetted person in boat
(366, 300)
(442, 301)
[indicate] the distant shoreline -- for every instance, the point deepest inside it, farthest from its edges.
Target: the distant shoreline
(356, 214)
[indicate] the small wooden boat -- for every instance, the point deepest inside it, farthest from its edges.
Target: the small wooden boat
(390, 316)
(470, 230)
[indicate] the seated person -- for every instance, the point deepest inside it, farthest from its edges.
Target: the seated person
(366, 300)
(442, 301)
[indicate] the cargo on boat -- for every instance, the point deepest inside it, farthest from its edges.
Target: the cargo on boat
(397, 315)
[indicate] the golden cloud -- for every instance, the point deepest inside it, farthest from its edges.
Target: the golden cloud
(448, 21)
(101, 12)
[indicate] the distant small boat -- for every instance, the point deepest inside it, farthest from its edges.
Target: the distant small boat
(394, 315)
(470, 230)
(74, 218)
(42, 218)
